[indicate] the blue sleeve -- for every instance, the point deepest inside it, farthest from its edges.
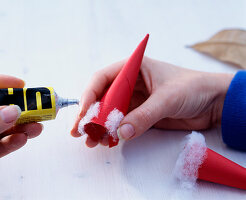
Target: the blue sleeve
(234, 113)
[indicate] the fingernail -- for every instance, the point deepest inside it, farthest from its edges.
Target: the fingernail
(10, 113)
(126, 131)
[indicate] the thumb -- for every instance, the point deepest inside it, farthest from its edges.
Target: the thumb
(8, 116)
(141, 118)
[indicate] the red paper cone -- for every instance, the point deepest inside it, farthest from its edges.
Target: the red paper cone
(218, 169)
(118, 95)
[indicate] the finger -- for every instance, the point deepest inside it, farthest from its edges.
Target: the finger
(74, 132)
(11, 143)
(142, 118)
(90, 143)
(95, 90)
(32, 130)
(10, 82)
(8, 116)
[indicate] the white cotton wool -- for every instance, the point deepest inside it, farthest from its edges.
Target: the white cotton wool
(190, 159)
(90, 114)
(113, 122)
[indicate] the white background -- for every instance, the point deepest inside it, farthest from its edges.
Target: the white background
(61, 43)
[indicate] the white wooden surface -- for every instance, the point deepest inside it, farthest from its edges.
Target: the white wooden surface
(61, 43)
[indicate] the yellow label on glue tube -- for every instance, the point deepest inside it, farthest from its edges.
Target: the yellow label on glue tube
(39, 105)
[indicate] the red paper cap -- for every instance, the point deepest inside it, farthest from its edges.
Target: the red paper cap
(219, 169)
(118, 95)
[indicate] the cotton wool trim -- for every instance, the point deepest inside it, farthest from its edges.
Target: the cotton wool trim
(113, 122)
(90, 114)
(190, 159)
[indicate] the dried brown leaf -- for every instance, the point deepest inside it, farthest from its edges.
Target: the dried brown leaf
(227, 46)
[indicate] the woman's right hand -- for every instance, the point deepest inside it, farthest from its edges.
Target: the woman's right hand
(165, 96)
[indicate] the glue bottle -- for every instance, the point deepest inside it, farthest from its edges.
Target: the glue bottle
(36, 104)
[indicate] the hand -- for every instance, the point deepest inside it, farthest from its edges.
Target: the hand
(165, 96)
(14, 137)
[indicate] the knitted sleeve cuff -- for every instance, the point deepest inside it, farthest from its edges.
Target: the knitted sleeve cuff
(234, 113)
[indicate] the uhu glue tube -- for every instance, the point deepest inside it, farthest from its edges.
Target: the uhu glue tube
(36, 104)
